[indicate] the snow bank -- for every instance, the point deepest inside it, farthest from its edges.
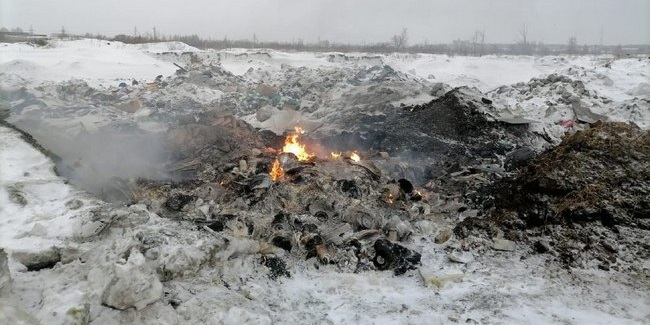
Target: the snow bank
(94, 61)
(38, 210)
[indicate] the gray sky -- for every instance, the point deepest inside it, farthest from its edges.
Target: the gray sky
(354, 21)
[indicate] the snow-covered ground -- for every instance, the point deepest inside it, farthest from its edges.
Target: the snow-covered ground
(103, 62)
(94, 61)
(43, 217)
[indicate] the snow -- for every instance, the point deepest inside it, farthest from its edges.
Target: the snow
(33, 199)
(94, 61)
(39, 210)
(484, 73)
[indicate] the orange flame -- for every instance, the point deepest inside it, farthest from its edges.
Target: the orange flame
(292, 145)
(336, 155)
(276, 171)
(354, 156)
(390, 199)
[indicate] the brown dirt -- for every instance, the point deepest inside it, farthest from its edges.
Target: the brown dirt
(582, 191)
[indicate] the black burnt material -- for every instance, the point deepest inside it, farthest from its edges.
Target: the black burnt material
(282, 242)
(453, 130)
(350, 188)
(177, 201)
(405, 185)
(392, 256)
(277, 267)
(459, 116)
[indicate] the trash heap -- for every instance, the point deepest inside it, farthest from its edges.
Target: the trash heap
(565, 101)
(219, 152)
(351, 201)
(584, 202)
(339, 209)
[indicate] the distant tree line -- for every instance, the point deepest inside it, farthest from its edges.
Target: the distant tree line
(476, 45)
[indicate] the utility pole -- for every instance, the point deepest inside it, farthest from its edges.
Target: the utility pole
(155, 36)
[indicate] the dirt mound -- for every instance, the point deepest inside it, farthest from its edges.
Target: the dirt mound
(457, 119)
(600, 174)
(586, 190)
(438, 137)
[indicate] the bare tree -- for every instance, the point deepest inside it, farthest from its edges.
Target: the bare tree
(572, 48)
(226, 42)
(523, 34)
(478, 42)
(523, 44)
(400, 41)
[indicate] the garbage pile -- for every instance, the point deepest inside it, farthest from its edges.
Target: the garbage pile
(339, 210)
(449, 144)
(266, 97)
(214, 142)
(351, 201)
(584, 201)
(565, 101)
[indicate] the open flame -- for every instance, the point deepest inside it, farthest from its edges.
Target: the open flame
(276, 171)
(337, 155)
(293, 145)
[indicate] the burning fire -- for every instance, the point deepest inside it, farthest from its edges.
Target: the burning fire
(390, 199)
(354, 156)
(276, 171)
(292, 145)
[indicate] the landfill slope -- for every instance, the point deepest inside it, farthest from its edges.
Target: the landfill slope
(465, 190)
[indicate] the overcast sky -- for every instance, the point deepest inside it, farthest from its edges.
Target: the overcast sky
(353, 21)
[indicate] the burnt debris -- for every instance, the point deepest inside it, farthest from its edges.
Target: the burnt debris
(177, 201)
(582, 193)
(391, 256)
(354, 210)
